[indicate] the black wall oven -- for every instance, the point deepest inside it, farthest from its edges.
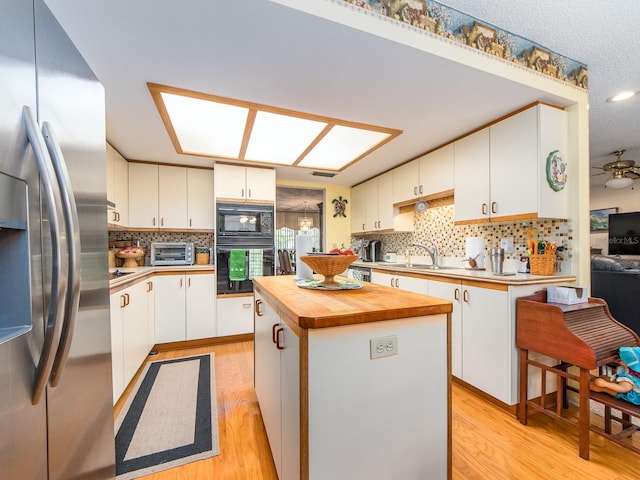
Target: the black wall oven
(223, 256)
(244, 240)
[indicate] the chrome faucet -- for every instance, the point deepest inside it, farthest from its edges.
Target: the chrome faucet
(433, 252)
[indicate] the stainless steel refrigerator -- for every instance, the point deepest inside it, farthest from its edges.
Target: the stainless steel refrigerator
(56, 416)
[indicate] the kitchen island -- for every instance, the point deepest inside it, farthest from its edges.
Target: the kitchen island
(353, 383)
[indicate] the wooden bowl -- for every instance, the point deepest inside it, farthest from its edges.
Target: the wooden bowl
(129, 255)
(329, 265)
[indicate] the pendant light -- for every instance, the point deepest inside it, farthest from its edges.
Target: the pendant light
(305, 223)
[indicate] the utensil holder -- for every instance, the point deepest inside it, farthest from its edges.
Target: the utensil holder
(542, 264)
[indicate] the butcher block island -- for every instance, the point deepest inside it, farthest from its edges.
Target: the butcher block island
(353, 383)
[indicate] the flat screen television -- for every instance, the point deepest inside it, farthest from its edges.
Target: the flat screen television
(624, 233)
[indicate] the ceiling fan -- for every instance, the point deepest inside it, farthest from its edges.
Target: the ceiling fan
(623, 172)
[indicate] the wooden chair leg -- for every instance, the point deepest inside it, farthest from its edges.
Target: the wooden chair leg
(583, 422)
(524, 381)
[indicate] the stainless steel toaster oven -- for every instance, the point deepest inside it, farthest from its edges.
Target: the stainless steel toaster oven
(172, 253)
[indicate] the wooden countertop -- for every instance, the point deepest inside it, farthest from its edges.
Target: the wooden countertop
(332, 308)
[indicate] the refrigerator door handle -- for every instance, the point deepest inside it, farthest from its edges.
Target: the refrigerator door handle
(70, 210)
(52, 201)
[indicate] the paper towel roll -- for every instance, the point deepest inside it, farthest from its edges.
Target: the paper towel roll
(304, 245)
(475, 247)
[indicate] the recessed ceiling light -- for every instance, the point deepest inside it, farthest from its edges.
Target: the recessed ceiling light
(622, 96)
(212, 126)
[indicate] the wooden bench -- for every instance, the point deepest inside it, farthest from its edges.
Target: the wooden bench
(585, 336)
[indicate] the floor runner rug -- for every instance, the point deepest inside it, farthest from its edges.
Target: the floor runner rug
(169, 418)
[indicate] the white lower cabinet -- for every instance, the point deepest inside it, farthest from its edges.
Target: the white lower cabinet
(234, 315)
(403, 282)
(184, 307)
(277, 384)
(131, 324)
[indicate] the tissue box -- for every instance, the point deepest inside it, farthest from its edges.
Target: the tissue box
(567, 295)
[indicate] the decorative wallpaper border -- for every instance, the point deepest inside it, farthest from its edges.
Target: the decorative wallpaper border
(443, 21)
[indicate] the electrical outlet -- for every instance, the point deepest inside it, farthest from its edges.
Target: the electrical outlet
(383, 346)
(507, 244)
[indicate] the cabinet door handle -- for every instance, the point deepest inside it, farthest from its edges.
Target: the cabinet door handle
(465, 296)
(162, 221)
(123, 301)
(494, 207)
(127, 300)
(189, 282)
(415, 190)
(484, 209)
(249, 193)
(242, 194)
(456, 294)
(273, 332)
(191, 222)
(420, 189)
(257, 308)
(363, 226)
(180, 283)
(391, 282)
(149, 286)
(117, 215)
(397, 283)
(153, 222)
(246, 305)
(279, 346)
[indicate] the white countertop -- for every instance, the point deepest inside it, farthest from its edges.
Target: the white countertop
(139, 272)
(462, 273)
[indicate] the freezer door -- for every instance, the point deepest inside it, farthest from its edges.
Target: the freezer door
(80, 407)
(23, 437)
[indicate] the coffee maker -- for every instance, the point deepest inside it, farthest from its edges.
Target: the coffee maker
(373, 251)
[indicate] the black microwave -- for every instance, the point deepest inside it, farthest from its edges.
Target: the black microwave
(244, 220)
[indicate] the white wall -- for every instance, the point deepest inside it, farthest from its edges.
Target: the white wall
(626, 200)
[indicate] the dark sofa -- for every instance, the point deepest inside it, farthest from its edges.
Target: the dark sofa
(617, 281)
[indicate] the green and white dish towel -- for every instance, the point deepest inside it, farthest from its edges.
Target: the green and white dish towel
(237, 264)
(255, 263)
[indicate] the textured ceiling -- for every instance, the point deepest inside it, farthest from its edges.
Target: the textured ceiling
(604, 36)
(266, 53)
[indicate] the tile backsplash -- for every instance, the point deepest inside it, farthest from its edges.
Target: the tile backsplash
(199, 239)
(436, 224)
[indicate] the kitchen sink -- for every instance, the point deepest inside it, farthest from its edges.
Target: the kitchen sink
(420, 266)
(433, 267)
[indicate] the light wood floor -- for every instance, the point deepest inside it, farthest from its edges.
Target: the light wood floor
(488, 443)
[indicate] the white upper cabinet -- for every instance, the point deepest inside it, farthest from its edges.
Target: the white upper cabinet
(372, 207)
(245, 184)
(358, 208)
(428, 176)
(514, 169)
(170, 197)
(405, 182)
(436, 172)
(472, 177)
(117, 187)
(200, 199)
(143, 195)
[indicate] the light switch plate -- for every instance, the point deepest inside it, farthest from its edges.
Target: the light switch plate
(507, 244)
